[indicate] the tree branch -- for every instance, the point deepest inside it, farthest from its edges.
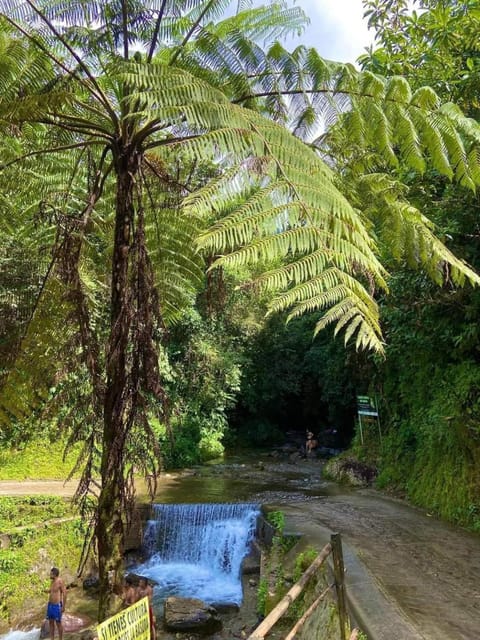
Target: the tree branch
(153, 44)
(40, 152)
(190, 32)
(101, 96)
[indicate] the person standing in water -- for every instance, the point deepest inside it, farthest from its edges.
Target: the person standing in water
(145, 589)
(57, 601)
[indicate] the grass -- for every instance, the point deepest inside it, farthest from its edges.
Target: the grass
(33, 549)
(37, 461)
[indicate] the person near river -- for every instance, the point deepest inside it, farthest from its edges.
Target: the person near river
(145, 590)
(129, 595)
(57, 601)
(311, 443)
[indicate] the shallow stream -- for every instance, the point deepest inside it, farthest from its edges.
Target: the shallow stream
(425, 568)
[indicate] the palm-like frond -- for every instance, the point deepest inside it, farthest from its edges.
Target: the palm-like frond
(290, 205)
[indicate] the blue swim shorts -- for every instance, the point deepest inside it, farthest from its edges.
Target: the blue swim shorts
(54, 612)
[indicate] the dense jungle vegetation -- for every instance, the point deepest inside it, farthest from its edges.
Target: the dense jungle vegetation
(202, 249)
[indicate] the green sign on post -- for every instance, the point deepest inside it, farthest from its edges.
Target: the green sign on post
(367, 406)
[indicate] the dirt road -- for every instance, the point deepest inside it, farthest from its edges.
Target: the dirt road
(409, 575)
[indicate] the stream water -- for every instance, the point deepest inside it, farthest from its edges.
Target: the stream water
(196, 550)
(426, 568)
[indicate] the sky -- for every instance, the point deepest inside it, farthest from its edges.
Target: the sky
(337, 29)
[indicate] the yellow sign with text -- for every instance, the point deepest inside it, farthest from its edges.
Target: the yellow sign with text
(132, 623)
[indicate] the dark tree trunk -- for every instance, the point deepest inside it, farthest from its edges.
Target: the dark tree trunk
(118, 410)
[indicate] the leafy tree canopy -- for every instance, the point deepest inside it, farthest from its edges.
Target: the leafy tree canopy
(155, 138)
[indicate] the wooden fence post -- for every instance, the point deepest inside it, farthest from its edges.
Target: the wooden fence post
(339, 574)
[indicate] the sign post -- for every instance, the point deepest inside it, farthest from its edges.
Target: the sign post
(367, 406)
(132, 623)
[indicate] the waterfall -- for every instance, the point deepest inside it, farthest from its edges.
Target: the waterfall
(196, 550)
(33, 634)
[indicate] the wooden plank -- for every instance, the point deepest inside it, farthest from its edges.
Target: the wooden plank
(264, 627)
(298, 626)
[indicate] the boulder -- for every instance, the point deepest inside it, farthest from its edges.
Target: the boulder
(91, 585)
(4, 541)
(70, 624)
(190, 614)
(350, 471)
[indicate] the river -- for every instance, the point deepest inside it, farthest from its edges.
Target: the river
(410, 576)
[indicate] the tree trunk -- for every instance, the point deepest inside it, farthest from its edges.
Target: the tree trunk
(118, 410)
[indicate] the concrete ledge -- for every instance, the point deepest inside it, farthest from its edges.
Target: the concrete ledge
(369, 608)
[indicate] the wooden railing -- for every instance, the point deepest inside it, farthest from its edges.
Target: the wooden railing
(335, 548)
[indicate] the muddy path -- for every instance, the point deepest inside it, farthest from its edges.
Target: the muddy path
(421, 576)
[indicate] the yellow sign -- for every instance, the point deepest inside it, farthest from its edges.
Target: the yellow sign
(132, 623)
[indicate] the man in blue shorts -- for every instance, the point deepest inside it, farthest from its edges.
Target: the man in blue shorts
(56, 603)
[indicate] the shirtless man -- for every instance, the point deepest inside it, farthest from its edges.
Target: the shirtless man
(311, 443)
(56, 603)
(145, 589)
(129, 592)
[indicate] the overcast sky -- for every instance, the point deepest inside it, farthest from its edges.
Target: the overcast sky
(337, 29)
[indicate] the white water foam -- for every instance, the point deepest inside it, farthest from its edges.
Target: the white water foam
(33, 634)
(196, 550)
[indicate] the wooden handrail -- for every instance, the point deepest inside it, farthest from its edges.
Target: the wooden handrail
(294, 630)
(264, 627)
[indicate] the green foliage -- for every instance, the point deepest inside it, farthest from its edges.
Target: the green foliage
(204, 379)
(277, 519)
(39, 460)
(11, 562)
(259, 432)
(303, 561)
(22, 511)
(146, 168)
(291, 382)
(429, 382)
(25, 565)
(262, 593)
(431, 386)
(437, 46)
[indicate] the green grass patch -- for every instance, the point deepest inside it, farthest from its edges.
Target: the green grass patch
(25, 563)
(29, 510)
(36, 461)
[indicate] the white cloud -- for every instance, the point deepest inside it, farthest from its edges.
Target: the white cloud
(337, 28)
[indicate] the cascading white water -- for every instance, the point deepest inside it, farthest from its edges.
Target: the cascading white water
(196, 550)
(33, 634)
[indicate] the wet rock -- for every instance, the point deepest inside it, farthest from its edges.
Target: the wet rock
(226, 607)
(70, 623)
(351, 471)
(91, 584)
(190, 614)
(251, 564)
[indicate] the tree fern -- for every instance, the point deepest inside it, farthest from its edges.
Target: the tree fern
(213, 94)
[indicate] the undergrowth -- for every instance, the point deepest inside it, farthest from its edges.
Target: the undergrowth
(36, 461)
(33, 549)
(28, 510)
